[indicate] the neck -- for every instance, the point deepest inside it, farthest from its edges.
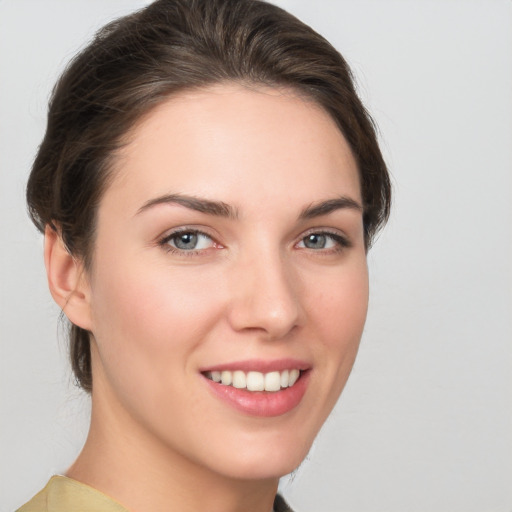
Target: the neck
(123, 460)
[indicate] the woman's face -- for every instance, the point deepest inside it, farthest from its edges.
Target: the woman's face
(229, 246)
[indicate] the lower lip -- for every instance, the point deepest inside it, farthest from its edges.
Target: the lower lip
(262, 403)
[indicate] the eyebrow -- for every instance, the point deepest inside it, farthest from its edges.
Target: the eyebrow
(217, 208)
(329, 206)
(221, 209)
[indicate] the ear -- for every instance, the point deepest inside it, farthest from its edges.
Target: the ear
(67, 280)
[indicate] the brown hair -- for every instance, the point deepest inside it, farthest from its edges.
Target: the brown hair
(136, 62)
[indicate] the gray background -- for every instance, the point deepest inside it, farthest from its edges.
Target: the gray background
(425, 423)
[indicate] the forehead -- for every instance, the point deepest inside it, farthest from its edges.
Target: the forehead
(224, 141)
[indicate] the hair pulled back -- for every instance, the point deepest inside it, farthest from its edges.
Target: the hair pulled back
(138, 61)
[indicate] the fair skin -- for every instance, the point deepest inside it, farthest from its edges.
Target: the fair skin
(269, 276)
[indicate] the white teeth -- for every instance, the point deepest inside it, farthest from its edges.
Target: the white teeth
(273, 381)
(284, 379)
(239, 380)
(256, 381)
(226, 378)
(294, 375)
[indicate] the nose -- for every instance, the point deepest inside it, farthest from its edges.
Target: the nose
(264, 296)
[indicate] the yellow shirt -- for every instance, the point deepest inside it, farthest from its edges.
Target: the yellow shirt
(63, 494)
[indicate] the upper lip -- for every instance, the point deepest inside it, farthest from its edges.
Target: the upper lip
(260, 365)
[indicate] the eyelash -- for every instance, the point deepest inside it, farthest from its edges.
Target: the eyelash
(164, 242)
(341, 242)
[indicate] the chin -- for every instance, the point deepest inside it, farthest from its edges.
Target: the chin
(261, 462)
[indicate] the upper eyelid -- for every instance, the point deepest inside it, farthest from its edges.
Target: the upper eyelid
(164, 242)
(329, 231)
(324, 231)
(169, 233)
(343, 240)
(333, 231)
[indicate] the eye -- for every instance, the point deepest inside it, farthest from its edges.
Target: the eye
(323, 241)
(188, 240)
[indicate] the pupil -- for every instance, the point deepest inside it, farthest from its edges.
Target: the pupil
(315, 241)
(186, 241)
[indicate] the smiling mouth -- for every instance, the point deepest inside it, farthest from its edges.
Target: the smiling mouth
(256, 381)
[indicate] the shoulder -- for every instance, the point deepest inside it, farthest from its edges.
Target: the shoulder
(280, 505)
(63, 494)
(39, 503)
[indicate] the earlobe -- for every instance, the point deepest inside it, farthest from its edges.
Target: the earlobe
(67, 280)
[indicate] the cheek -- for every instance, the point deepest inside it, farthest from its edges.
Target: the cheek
(147, 330)
(339, 312)
(153, 300)
(145, 326)
(341, 304)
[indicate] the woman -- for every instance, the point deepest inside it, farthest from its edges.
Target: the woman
(208, 186)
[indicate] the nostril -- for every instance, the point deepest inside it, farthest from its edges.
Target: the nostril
(264, 296)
